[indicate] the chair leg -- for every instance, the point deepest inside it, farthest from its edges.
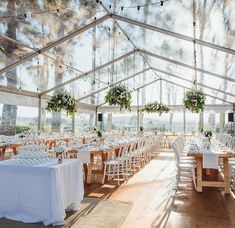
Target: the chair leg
(118, 175)
(105, 166)
(194, 178)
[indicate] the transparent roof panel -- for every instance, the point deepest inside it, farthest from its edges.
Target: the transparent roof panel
(214, 16)
(159, 43)
(100, 40)
(173, 15)
(39, 23)
(26, 27)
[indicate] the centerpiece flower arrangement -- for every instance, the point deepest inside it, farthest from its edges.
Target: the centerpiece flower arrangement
(119, 95)
(208, 134)
(155, 107)
(62, 101)
(194, 100)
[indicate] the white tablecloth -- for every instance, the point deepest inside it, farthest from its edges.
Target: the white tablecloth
(40, 193)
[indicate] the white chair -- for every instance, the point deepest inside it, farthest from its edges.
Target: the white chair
(115, 167)
(184, 169)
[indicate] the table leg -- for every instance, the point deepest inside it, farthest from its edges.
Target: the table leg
(226, 176)
(199, 174)
(89, 169)
(2, 154)
(14, 150)
(89, 172)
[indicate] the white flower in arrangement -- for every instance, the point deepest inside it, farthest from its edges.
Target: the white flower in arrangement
(59, 101)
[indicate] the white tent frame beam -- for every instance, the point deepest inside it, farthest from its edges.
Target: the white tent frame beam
(187, 66)
(187, 80)
(217, 98)
(173, 34)
(55, 43)
(89, 72)
(116, 83)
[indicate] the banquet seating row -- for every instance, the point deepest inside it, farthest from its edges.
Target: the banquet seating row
(185, 166)
(131, 157)
(131, 152)
(229, 141)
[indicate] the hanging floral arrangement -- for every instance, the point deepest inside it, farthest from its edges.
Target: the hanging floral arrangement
(194, 100)
(119, 95)
(155, 107)
(62, 101)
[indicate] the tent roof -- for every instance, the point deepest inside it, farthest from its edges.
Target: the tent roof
(86, 46)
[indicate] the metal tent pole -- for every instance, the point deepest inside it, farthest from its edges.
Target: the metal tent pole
(39, 113)
(138, 113)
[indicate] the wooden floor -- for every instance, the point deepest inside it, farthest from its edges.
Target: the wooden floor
(156, 204)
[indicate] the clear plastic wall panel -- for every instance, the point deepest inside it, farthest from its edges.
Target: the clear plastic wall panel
(192, 122)
(154, 122)
(160, 44)
(16, 119)
(173, 15)
(124, 122)
(84, 122)
(214, 16)
(212, 121)
(56, 122)
(216, 61)
(41, 22)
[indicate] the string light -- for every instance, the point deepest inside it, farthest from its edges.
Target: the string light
(138, 7)
(39, 12)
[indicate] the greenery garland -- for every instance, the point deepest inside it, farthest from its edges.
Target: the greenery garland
(62, 101)
(194, 100)
(119, 95)
(155, 107)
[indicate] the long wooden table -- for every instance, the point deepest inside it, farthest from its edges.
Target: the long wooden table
(225, 174)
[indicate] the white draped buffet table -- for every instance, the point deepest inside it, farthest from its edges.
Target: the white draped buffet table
(40, 193)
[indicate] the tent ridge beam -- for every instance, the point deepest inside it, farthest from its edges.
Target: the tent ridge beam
(55, 43)
(217, 98)
(89, 72)
(116, 83)
(187, 66)
(187, 80)
(173, 34)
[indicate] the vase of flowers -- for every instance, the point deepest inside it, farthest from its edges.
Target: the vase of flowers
(208, 135)
(155, 107)
(194, 100)
(100, 136)
(119, 96)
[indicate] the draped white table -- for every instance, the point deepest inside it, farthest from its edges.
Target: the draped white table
(40, 193)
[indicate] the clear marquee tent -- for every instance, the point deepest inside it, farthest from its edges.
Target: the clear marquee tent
(84, 47)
